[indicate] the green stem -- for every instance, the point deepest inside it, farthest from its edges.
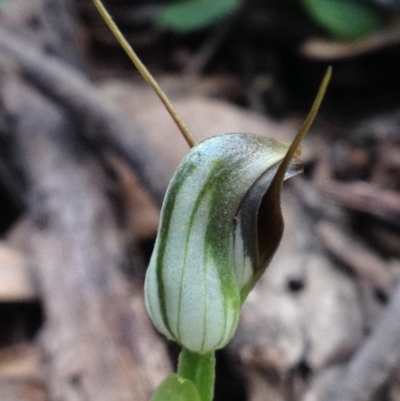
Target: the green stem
(200, 369)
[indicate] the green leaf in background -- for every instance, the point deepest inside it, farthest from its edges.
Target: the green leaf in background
(191, 15)
(9, 8)
(176, 388)
(346, 19)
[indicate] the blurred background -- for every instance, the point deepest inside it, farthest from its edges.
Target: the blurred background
(86, 154)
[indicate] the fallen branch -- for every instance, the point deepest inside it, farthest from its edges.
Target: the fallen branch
(99, 344)
(100, 120)
(365, 197)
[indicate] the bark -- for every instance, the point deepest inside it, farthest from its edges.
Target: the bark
(97, 340)
(100, 121)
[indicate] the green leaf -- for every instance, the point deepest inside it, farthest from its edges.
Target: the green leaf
(176, 388)
(191, 15)
(346, 19)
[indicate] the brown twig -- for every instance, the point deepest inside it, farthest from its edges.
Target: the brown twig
(320, 49)
(353, 253)
(363, 196)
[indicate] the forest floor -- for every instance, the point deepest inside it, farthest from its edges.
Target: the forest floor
(87, 152)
